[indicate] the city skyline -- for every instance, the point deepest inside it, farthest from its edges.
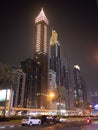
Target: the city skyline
(76, 24)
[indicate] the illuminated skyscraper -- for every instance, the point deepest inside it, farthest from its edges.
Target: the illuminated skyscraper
(41, 23)
(80, 94)
(55, 61)
(41, 57)
(36, 68)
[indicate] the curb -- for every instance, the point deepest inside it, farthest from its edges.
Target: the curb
(12, 126)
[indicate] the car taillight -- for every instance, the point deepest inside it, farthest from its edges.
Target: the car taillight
(88, 120)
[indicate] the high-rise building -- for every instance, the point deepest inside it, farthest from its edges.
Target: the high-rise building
(31, 68)
(79, 88)
(41, 55)
(19, 93)
(55, 68)
(41, 24)
(55, 61)
(93, 97)
(84, 87)
(36, 68)
(66, 82)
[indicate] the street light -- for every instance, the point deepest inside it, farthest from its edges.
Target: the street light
(51, 95)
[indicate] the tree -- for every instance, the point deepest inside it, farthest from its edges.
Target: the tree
(8, 80)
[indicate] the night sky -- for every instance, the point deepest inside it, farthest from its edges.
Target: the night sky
(75, 21)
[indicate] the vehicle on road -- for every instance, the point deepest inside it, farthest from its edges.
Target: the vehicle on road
(47, 119)
(88, 120)
(31, 121)
(62, 120)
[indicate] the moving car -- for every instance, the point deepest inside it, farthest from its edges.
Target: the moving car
(30, 121)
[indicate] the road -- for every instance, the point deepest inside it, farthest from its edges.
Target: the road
(93, 126)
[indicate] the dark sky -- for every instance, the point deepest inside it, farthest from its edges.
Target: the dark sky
(76, 22)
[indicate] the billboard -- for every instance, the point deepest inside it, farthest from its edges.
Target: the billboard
(4, 93)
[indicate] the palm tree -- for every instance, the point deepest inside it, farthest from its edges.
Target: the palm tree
(7, 81)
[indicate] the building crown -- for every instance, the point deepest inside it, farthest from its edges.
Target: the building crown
(41, 17)
(54, 38)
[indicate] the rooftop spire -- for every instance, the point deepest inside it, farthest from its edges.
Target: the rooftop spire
(41, 17)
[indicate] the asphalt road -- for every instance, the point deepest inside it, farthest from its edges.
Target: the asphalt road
(93, 126)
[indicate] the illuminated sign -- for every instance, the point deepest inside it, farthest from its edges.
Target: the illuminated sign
(4, 94)
(96, 106)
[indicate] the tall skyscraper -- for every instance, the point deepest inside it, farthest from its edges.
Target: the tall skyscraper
(41, 23)
(36, 68)
(41, 57)
(31, 68)
(66, 82)
(79, 88)
(55, 67)
(55, 61)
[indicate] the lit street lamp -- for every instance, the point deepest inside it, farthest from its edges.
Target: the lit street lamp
(51, 95)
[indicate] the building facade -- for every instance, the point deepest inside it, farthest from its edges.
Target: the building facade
(79, 88)
(19, 93)
(55, 60)
(66, 82)
(52, 80)
(36, 68)
(41, 55)
(30, 68)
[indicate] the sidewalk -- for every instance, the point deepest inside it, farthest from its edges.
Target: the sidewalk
(9, 124)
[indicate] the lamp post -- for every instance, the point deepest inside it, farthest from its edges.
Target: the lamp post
(51, 96)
